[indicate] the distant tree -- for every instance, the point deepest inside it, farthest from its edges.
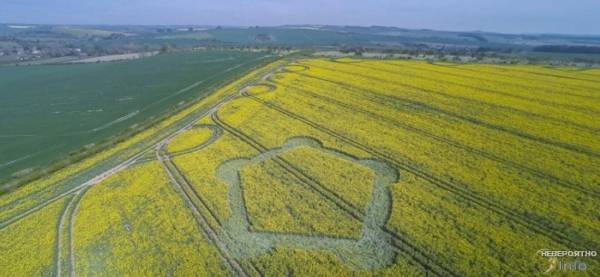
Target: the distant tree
(98, 50)
(165, 48)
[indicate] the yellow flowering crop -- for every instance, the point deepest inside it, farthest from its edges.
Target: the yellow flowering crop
(189, 139)
(135, 223)
(278, 203)
(335, 167)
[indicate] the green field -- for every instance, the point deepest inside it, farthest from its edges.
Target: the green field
(83, 32)
(49, 111)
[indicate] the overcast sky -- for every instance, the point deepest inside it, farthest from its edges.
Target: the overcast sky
(512, 16)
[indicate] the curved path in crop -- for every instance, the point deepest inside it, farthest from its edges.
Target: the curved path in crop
(59, 237)
(71, 247)
(67, 217)
(371, 220)
(184, 189)
(216, 133)
(400, 244)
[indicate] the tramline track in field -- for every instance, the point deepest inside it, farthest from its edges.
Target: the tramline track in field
(478, 152)
(470, 101)
(451, 187)
(192, 198)
(470, 120)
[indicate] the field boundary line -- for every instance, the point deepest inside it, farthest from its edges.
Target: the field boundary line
(97, 179)
(132, 160)
(259, 66)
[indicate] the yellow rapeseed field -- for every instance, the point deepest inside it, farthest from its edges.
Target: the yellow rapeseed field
(28, 245)
(189, 139)
(135, 223)
(333, 167)
(278, 203)
(352, 182)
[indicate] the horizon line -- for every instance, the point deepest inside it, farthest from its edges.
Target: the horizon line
(303, 24)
